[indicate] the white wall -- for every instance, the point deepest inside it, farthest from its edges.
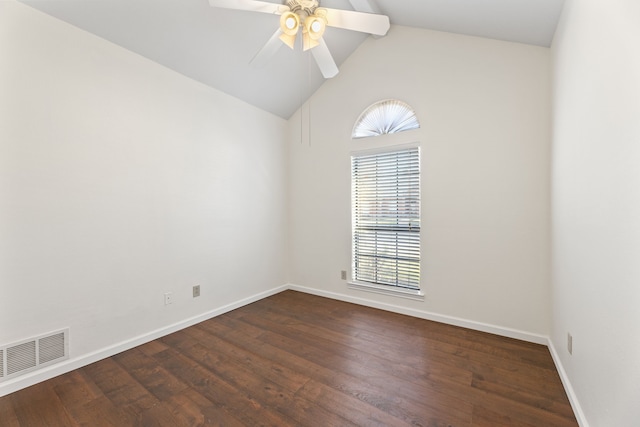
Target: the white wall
(121, 180)
(485, 112)
(596, 206)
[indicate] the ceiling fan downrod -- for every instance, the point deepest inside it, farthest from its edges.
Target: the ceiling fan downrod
(306, 6)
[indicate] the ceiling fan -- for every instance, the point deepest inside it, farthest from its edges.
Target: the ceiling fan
(309, 19)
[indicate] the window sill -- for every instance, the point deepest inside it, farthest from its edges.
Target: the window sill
(416, 295)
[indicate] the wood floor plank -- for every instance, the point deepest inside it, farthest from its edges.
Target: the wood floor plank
(483, 417)
(482, 364)
(387, 393)
(385, 347)
(160, 383)
(358, 358)
(405, 402)
(435, 405)
(120, 387)
(273, 395)
(528, 399)
(362, 320)
(158, 416)
(8, 413)
(152, 347)
(534, 377)
(101, 412)
(190, 408)
(261, 366)
(520, 412)
(294, 359)
(39, 405)
(75, 388)
(512, 385)
(349, 407)
(223, 395)
(369, 319)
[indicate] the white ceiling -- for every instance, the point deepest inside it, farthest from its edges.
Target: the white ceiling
(214, 46)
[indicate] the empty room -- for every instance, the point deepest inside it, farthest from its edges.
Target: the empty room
(319, 213)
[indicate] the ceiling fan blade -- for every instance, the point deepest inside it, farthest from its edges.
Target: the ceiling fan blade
(250, 5)
(358, 21)
(324, 59)
(268, 50)
(369, 6)
(308, 42)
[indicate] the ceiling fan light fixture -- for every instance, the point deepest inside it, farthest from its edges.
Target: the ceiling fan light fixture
(288, 40)
(289, 23)
(315, 25)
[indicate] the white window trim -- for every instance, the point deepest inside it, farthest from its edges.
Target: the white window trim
(384, 149)
(416, 295)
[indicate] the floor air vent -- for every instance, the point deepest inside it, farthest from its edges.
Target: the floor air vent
(35, 353)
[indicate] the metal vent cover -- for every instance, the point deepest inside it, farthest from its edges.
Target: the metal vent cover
(21, 357)
(28, 355)
(51, 348)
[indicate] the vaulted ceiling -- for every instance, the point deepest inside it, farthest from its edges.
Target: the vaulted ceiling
(214, 46)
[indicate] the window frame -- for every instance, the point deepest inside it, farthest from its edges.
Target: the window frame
(380, 288)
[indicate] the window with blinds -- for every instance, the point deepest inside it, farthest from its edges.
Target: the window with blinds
(386, 218)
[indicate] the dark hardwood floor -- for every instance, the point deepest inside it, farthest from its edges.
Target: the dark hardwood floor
(299, 360)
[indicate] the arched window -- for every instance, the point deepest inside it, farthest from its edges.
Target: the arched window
(388, 116)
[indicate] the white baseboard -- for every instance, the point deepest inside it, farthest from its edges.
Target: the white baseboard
(69, 365)
(76, 363)
(470, 324)
(450, 320)
(573, 399)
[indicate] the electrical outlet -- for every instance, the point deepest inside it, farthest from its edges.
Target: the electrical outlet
(196, 291)
(570, 343)
(343, 275)
(168, 298)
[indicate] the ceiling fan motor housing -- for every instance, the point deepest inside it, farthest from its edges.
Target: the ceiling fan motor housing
(306, 6)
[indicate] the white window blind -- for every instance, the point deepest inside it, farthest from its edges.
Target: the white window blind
(386, 218)
(384, 117)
